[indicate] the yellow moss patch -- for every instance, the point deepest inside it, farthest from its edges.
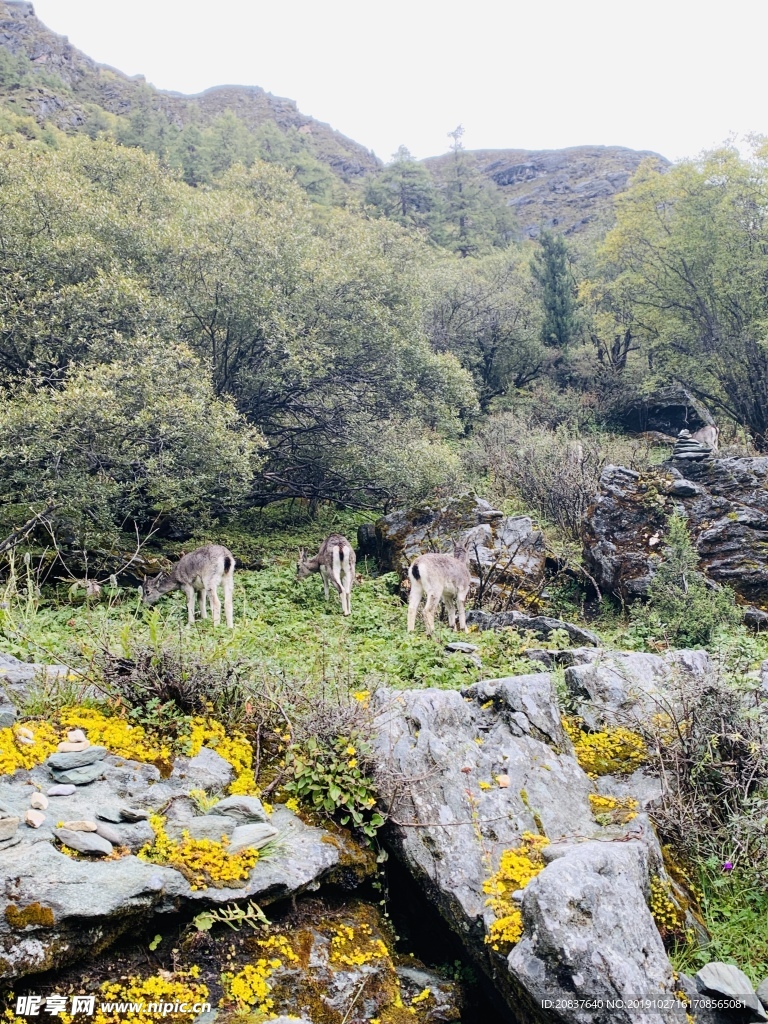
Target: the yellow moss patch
(353, 947)
(669, 917)
(33, 914)
(250, 986)
(203, 862)
(117, 735)
(180, 987)
(613, 751)
(234, 748)
(516, 869)
(15, 755)
(613, 809)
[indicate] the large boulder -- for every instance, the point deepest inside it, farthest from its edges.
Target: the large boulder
(509, 547)
(466, 776)
(725, 502)
(631, 689)
(667, 411)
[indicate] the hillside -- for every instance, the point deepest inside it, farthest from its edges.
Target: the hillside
(65, 87)
(564, 190)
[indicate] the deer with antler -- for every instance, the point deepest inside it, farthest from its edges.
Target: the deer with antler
(335, 561)
(442, 578)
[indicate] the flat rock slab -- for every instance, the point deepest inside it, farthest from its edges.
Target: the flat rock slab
(8, 827)
(83, 842)
(80, 776)
(254, 836)
(726, 980)
(69, 759)
(243, 808)
(204, 826)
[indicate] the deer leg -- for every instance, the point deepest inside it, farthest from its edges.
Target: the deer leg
(229, 585)
(203, 605)
(450, 607)
(462, 614)
(413, 604)
(429, 612)
(324, 574)
(189, 590)
(215, 606)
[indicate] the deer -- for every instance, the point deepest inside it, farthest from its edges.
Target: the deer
(199, 572)
(336, 556)
(443, 578)
(708, 434)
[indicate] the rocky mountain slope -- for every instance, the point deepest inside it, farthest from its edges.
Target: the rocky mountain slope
(569, 191)
(68, 85)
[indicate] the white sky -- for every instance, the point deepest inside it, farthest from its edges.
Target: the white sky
(676, 76)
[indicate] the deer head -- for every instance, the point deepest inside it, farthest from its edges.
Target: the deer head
(302, 567)
(150, 588)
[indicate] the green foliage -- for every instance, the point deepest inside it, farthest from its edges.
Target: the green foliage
(233, 916)
(681, 607)
(404, 192)
(328, 777)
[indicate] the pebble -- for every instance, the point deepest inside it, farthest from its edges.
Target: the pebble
(8, 827)
(68, 746)
(24, 731)
(34, 818)
(38, 801)
(62, 790)
(77, 736)
(76, 758)
(503, 781)
(80, 776)
(83, 842)
(80, 825)
(25, 740)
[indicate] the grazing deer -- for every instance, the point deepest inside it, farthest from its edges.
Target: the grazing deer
(336, 556)
(442, 578)
(708, 435)
(201, 571)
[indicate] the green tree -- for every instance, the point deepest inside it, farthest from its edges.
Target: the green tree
(558, 293)
(692, 245)
(404, 192)
(475, 218)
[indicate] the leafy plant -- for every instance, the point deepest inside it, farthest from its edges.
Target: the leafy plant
(233, 916)
(329, 778)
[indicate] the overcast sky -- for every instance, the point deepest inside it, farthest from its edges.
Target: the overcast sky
(676, 76)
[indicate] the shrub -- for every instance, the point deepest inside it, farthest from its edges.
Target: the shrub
(682, 606)
(137, 439)
(553, 472)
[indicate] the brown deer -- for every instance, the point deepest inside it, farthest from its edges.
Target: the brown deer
(335, 557)
(199, 572)
(442, 578)
(709, 434)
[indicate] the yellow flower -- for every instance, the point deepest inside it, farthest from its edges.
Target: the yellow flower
(350, 750)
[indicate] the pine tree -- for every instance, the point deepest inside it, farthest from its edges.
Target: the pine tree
(551, 271)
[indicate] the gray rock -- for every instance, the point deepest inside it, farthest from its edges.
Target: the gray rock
(459, 647)
(727, 517)
(589, 933)
(110, 834)
(80, 776)
(7, 711)
(762, 993)
(13, 840)
(242, 808)
(726, 980)
(135, 835)
(83, 842)
(133, 814)
(204, 826)
(109, 814)
(208, 771)
(543, 626)
(532, 696)
(254, 836)
(8, 827)
(69, 759)
(61, 790)
(626, 688)
(17, 678)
